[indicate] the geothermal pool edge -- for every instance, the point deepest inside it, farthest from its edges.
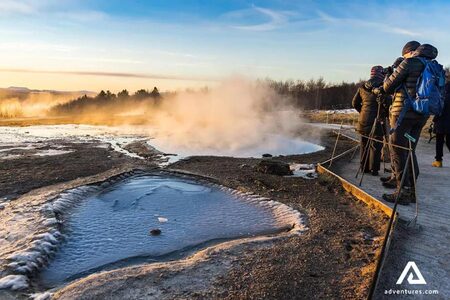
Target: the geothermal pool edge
(30, 261)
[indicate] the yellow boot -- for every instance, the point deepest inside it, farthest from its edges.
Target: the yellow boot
(437, 164)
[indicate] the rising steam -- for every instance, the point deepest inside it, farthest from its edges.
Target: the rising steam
(238, 114)
(31, 104)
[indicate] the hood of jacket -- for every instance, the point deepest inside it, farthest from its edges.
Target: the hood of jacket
(426, 51)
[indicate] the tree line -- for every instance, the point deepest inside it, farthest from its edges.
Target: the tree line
(316, 94)
(106, 101)
(309, 94)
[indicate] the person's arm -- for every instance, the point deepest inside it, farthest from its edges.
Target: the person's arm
(396, 79)
(357, 101)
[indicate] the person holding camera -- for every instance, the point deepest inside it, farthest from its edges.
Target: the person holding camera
(369, 121)
(402, 83)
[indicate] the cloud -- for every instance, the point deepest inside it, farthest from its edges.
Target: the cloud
(60, 9)
(371, 24)
(15, 7)
(109, 74)
(273, 19)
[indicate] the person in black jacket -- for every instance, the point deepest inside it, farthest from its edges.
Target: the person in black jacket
(442, 129)
(402, 83)
(365, 102)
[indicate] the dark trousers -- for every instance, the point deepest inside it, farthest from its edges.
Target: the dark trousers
(413, 127)
(440, 138)
(372, 155)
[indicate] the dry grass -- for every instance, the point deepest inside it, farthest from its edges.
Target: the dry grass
(333, 118)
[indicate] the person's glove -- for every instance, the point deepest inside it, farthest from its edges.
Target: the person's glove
(378, 91)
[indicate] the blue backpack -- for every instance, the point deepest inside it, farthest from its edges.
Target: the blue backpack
(430, 92)
(430, 89)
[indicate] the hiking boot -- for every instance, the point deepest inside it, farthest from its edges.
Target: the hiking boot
(437, 164)
(390, 184)
(384, 179)
(374, 173)
(404, 199)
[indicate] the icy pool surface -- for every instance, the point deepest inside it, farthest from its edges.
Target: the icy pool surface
(114, 225)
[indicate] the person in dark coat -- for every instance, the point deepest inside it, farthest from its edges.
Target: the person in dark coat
(365, 102)
(402, 81)
(442, 129)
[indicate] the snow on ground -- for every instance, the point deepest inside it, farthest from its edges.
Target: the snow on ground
(14, 282)
(307, 171)
(32, 137)
(339, 111)
(35, 137)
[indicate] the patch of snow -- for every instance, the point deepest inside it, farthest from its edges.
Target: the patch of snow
(10, 156)
(345, 111)
(117, 137)
(162, 220)
(14, 282)
(52, 152)
(307, 171)
(41, 296)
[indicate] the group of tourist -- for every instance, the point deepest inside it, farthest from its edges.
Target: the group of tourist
(386, 115)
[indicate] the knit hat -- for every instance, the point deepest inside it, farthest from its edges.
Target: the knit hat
(377, 72)
(410, 46)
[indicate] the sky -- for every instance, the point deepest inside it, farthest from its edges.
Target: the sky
(94, 45)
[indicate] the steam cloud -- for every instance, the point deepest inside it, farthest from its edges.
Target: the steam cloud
(31, 104)
(235, 115)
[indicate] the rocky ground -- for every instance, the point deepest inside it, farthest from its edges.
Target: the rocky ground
(334, 259)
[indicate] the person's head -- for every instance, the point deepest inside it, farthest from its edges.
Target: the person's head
(377, 72)
(409, 48)
(427, 51)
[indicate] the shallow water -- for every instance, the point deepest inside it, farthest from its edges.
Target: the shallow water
(114, 225)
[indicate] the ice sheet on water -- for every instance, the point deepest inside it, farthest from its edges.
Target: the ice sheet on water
(100, 234)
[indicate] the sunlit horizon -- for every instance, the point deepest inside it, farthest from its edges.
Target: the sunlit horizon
(109, 45)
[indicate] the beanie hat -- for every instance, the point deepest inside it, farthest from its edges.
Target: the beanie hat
(377, 72)
(410, 46)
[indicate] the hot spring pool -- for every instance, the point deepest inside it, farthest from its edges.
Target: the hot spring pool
(112, 226)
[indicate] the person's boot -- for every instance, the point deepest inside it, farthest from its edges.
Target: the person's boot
(437, 164)
(384, 179)
(404, 199)
(374, 173)
(390, 184)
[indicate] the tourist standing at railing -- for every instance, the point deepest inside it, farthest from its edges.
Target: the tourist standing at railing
(403, 81)
(365, 102)
(442, 128)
